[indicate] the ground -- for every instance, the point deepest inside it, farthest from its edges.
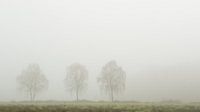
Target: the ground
(97, 107)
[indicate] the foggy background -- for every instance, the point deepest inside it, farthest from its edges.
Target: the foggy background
(155, 41)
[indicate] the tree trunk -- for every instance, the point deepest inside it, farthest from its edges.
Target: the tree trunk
(31, 96)
(111, 91)
(77, 95)
(112, 96)
(34, 95)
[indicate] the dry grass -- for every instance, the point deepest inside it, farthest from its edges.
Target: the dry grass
(97, 107)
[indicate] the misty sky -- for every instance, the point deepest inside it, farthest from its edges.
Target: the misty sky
(155, 41)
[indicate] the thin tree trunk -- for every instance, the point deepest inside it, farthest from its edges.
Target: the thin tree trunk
(31, 96)
(111, 91)
(77, 95)
(34, 96)
(112, 96)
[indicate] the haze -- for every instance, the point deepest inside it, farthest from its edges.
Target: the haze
(156, 42)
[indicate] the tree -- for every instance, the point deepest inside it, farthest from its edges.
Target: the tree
(32, 81)
(76, 79)
(112, 79)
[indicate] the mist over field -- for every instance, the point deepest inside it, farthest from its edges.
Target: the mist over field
(155, 42)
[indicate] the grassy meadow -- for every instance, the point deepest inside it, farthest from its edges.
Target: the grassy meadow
(96, 107)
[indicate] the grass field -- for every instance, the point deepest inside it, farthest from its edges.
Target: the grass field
(97, 107)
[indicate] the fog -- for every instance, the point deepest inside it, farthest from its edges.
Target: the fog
(156, 42)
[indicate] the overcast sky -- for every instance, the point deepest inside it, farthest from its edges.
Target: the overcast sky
(155, 41)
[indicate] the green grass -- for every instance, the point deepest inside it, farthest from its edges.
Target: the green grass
(96, 107)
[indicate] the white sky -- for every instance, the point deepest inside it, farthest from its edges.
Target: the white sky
(155, 41)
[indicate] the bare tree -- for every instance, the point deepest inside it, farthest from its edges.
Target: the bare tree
(112, 79)
(76, 79)
(32, 81)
